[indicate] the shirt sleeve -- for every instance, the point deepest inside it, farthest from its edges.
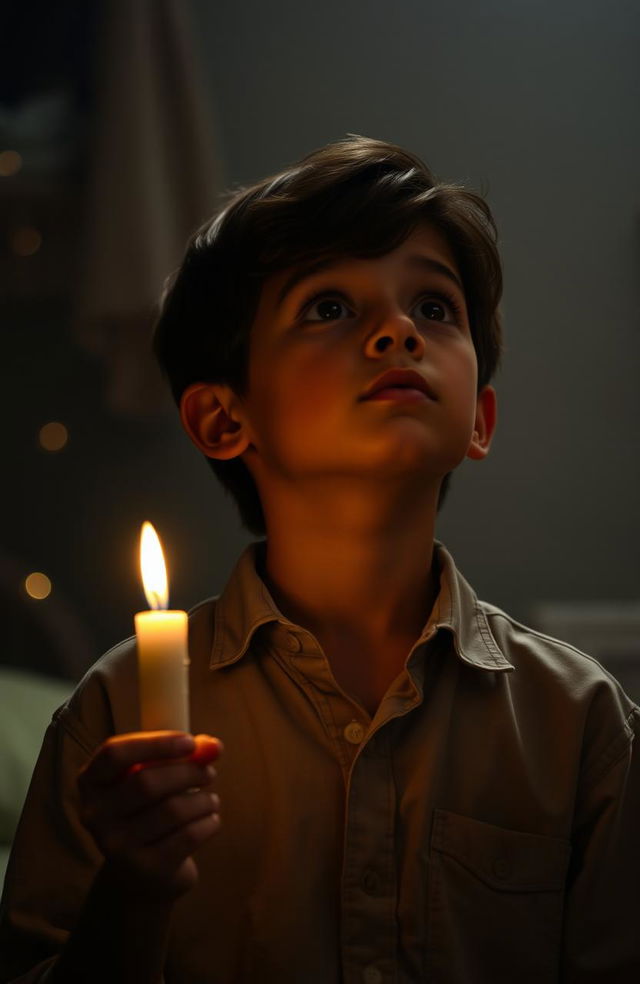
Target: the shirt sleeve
(53, 859)
(602, 909)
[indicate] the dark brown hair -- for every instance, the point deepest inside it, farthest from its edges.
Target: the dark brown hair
(355, 198)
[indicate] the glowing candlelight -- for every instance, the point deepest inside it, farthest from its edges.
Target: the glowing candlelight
(163, 655)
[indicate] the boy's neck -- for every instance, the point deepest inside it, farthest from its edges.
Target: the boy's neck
(370, 586)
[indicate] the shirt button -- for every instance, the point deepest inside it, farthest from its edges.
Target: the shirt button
(371, 975)
(371, 882)
(354, 732)
(293, 643)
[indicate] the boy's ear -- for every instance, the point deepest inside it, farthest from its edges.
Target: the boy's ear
(210, 426)
(485, 423)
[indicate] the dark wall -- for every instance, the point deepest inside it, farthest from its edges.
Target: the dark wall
(533, 104)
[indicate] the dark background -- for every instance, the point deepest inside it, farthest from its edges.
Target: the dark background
(533, 104)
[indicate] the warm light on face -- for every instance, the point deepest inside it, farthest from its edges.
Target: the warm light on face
(153, 568)
(37, 586)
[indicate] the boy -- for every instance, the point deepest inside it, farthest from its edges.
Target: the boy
(414, 787)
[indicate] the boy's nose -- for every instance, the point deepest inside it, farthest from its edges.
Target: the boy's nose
(400, 332)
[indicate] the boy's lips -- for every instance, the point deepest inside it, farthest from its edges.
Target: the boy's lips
(399, 394)
(399, 379)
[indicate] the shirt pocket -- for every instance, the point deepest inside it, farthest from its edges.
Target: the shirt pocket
(495, 900)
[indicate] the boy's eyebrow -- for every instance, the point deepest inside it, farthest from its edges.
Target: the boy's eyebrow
(417, 261)
(420, 262)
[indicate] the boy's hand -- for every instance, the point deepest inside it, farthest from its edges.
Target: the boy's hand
(145, 797)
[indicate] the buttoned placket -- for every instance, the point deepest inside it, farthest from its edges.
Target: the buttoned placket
(369, 881)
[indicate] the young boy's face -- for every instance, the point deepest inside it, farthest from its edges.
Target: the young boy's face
(317, 347)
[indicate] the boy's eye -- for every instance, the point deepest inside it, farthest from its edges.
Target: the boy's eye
(434, 307)
(328, 308)
(436, 310)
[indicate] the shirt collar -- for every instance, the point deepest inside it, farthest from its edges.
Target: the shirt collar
(458, 610)
(246, 603)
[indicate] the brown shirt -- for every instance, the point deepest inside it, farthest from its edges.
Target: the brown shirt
(484, 827)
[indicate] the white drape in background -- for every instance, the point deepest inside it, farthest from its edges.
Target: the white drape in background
(153, 179)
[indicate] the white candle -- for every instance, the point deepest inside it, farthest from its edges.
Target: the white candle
(162, 638)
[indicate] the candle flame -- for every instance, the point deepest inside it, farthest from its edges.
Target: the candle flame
(152, 565)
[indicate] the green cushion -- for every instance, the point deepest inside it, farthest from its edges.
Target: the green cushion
(4, 857)
(27, 701)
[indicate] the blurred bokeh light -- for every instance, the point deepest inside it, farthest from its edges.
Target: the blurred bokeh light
(10, 163)
(53, 436)
(37, 586)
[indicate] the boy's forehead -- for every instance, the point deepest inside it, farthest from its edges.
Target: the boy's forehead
(425, 239)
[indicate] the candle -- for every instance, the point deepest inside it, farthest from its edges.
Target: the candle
(163, 655)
